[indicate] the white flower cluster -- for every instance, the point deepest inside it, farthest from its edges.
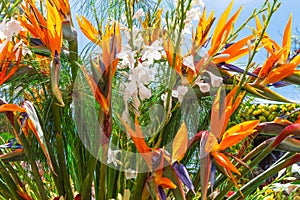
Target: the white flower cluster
(193, 14)
(8, 29)
(139, 59)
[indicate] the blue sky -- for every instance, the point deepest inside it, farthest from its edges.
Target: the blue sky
(278, 20)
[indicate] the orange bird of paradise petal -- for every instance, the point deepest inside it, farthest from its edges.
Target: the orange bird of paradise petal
(159, 180)
(280, 73)
(222, 110)
(219, 28)
(286, 40)
(218, 139)
(62, 6)
(269, 44)
(11, 108)
(164, 182)
(49, 31)
(237, 133)
(111, 45)
(235, 51)
(223, 29)
(223, 161)
(110, 41)
(139, 142)
(96, 91)
(169, 48)
(31, 122)
(7, 56)
(269, 63)
(175, 60)
(203, 28)
(153, 29)
(217, 115)
(54, 27)
(89, 30)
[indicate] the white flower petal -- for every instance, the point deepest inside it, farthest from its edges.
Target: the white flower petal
(139, 13)
(204, 87)
(199, 3)
(144, 93)
(222, 56)
(136, 102)
(130, 174)
(130, 90)
(295, 168)
(189, 62)
(180, 93)
(215, 80)
(156, 55)
(13, 27)
(111, 157)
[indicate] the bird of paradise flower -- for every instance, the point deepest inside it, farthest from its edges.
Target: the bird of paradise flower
(279, 65)
(215, 141)
(104, 67)
(49, 31)
(154, 155)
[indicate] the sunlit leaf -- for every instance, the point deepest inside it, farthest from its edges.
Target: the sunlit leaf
(180, 143)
